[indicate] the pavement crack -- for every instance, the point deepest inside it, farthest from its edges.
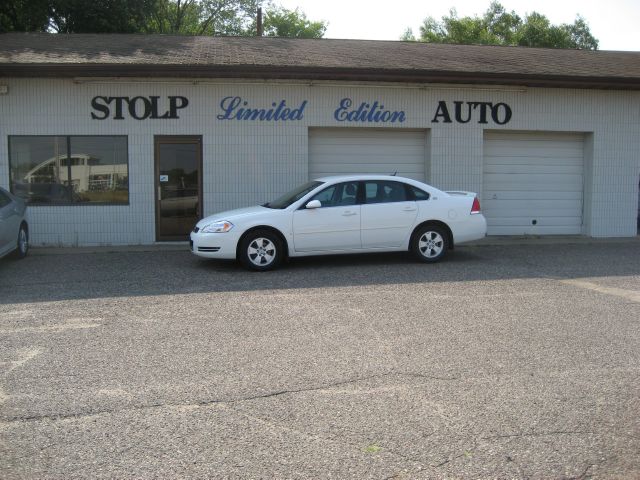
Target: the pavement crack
(538, 434)
(417, 462)
(466, 453)
(231, 401)
(312, 389)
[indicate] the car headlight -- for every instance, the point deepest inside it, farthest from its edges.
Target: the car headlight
(217, 227)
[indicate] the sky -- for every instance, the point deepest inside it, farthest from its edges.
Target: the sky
(614, 22)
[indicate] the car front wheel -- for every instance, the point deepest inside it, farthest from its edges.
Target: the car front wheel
(429, 244)
(22, 245)
(261, 250)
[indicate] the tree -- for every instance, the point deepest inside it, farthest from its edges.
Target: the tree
(24, 15)
(203, 17)
(280, 22)
(500, 27)
(99, 16)
(184, 17)
(75, 16)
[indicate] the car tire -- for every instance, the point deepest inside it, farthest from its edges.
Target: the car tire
(261, 250)
(430, 243)
(22, 243)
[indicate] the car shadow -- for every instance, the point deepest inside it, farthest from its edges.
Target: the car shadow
(42, 278)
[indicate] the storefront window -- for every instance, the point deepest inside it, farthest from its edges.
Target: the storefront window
(69, 170)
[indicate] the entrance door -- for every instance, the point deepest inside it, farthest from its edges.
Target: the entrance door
(178, 186)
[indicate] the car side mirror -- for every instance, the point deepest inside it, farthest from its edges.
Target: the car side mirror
(314, 204)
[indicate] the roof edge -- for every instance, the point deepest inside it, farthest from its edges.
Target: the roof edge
(57, 70)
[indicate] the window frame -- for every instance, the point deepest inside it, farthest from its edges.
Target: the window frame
(409, 197)
(68, 159)
(412, 196)
(358, 185)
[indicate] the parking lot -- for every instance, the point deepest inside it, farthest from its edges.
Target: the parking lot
(502, 361)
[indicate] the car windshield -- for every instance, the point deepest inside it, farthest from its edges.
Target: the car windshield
(293, 196)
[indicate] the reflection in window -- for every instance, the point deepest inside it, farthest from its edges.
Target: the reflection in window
(418, 194)
(385, 192)
(63, 170)
(339, 195)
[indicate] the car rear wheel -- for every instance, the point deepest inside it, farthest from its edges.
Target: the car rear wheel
(22, 245)
(261, 250)
(429, 243)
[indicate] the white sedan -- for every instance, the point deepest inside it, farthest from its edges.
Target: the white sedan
(343, 214)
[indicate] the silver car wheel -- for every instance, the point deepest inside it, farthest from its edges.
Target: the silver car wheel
(431, 244)
(261, 252)
(22, 245)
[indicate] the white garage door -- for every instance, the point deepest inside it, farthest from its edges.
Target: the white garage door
(341, 151)
(533, 183)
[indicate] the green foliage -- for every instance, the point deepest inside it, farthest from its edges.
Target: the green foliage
(280, 22)
(74, 16)
(203, 17)
(24, 15)
(499, 27)
(183, 17)
(408, 36)
(99, 16)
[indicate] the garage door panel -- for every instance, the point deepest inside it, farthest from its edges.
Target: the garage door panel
(364, 153)
(535, 169)
(536, 137)
(547, 221)
(540, 215)
(530, 160)
(492, 189)
(532, 195)
(533, 178)
(549, 206)
(339, 151)
(537, 181)
(536, 230)
(541, 149)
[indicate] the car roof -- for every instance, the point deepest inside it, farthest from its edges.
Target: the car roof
(346, 178)
(365, 177)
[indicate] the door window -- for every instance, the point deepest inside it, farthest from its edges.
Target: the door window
(418, 194)
(340, 195)
(383, 191)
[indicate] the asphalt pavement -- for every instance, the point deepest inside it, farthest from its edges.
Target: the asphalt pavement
(512, 360)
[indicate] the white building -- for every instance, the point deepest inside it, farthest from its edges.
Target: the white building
(177, 127)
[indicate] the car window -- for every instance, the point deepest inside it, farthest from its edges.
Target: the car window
(418, 194)
(339, 195)
(4, 199)
(382, 191)
(293, 196)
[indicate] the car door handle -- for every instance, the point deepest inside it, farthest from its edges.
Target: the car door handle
(409, 209)
(349, 214)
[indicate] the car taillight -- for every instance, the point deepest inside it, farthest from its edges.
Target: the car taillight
(475, 208)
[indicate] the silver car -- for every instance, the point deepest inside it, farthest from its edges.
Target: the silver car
(14, 231)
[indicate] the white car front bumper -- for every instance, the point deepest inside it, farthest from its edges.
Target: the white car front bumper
(214, 245)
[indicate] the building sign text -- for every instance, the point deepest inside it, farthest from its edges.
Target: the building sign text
(464, 112)
(367, 113)
(235, 108)
(139, 108)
